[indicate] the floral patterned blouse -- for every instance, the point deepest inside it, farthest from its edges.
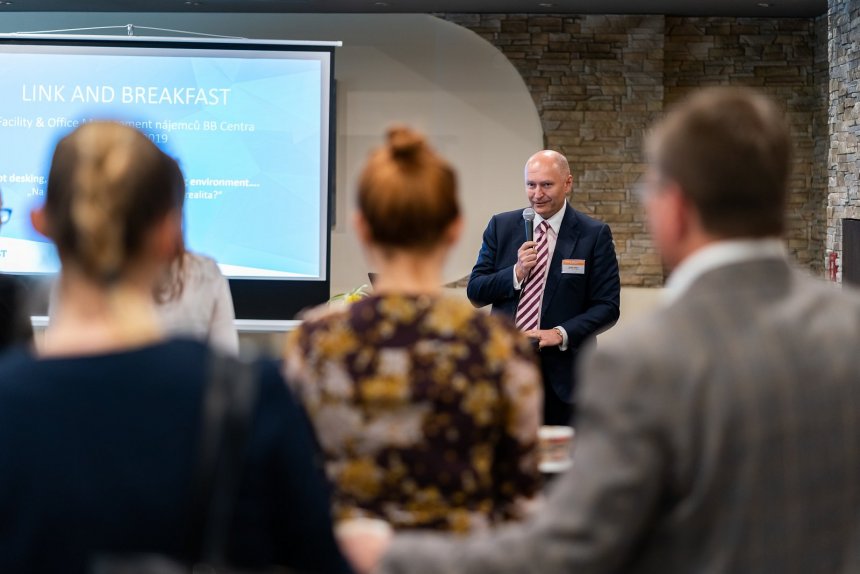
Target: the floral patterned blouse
(427, 411)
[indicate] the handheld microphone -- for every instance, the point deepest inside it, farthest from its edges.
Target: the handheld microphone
(529, 218)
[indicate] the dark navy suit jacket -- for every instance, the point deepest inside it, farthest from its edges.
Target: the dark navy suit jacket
(583, 304)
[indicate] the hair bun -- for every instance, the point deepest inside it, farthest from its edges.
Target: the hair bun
(404, 143)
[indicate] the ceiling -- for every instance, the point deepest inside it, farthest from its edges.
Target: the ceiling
(756, 8)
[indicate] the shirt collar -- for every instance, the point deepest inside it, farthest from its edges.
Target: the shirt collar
(554, 221)
(719, 254)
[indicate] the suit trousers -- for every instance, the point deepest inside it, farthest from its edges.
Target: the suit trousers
(555, 410)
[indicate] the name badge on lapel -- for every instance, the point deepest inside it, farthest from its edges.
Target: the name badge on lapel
(574, 266)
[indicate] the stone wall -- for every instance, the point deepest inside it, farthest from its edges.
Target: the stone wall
(776, 56)
(844, 110)
(820, 169)
(599, 81)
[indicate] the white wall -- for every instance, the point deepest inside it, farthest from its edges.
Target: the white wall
(416, 69)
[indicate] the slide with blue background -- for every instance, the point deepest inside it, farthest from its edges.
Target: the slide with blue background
(247, 128)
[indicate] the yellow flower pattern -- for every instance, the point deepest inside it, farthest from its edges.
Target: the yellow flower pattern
(360, 477)
(426, 410)
(384, 390)
(448, 316)
(480, 402)
(335, 342)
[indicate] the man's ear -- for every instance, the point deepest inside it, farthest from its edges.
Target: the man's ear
(673, 204)
(690, 213)
(40, 221)
(683, 212)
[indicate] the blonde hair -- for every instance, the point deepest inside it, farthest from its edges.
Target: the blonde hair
(108, 186)
(407, 193)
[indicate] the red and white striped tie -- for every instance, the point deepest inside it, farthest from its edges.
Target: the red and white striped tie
(528, 309)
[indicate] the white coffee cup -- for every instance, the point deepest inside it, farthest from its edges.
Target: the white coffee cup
(555, 448)
(363, 525)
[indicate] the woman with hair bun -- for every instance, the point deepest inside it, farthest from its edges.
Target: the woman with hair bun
(426, 410)
(99, 432)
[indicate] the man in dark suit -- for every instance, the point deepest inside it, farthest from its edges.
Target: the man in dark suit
(721, 433)
(562, 289)
(14, 321)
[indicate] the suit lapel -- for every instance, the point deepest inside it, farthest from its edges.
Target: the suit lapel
(568, 233)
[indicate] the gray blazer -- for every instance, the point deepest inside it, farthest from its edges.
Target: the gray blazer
(722, 434)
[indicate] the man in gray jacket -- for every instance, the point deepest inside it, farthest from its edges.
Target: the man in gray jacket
(722, 433)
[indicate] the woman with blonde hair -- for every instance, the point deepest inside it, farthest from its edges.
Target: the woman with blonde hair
(192, 296)
(426, 410)
(100, 433)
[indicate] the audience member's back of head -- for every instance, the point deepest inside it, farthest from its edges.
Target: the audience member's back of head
(407, 194)
(108, 186)
(729, 149)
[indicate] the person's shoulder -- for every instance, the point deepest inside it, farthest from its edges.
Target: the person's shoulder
(324, 314)
(202, 265)
(202, 260)
(586, 221)
(812, 284)
(652, 335)
(320, 320)
(175, 359)
(445, 317)
(515, 215)
(180, 345)
(449, 304)
(841, 300)
(16, 363)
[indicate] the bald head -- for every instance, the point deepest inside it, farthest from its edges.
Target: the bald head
(550, 157)
(548, 182)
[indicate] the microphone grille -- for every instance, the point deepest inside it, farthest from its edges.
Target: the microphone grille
(529, 214)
